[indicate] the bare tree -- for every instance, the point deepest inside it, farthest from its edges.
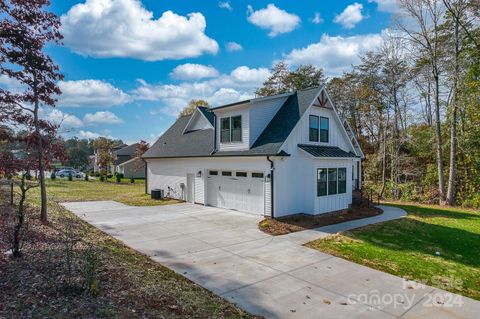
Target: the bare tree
(420, 23)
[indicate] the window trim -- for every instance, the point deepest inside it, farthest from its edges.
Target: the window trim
(230, 130)
(327, 129)
(310, 128)
(327, 189)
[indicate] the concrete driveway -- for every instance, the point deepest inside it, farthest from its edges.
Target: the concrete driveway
(277, 277)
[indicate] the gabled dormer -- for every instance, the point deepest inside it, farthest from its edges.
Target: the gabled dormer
(201, 119)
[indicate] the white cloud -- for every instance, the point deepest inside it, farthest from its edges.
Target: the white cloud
(106, 117)
(225, 5)
(274, 19)
(92, 135)
(63, 119)
(90, 93)
(233, 46)
(390, 6)
(226, 88)
(350, 16)
(317, 18)
(335, 54)
(125, 28)
(191, 71)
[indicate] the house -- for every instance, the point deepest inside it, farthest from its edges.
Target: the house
(94, 157)
(278, 155)
(127, 164)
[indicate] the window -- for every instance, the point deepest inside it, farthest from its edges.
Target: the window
(225, 130)
(342, 180)
(231, 129)
(226, 173)
(241, 174)
(332, 181)
(257, 175)
(213, 173)
(321, 182)
(324, 129)
(236, 129)
(313, 129)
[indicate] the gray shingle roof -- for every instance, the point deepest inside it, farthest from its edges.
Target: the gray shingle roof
(325, 151)
(127, 150)
(173, 143)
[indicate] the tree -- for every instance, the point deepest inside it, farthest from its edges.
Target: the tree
(282, 80)
(142, 147)
(104, 152)
(24, 160)
(420, 22)
(25, 29)
(192, 106)
(78, 152)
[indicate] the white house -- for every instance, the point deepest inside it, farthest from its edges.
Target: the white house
(276, 155)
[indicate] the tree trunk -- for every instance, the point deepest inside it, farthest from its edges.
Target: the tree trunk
(41, 160)
(438, 137)
(452, 173)
(21, 219)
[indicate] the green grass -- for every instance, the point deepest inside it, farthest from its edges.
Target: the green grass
(408, 247)
(80, 190)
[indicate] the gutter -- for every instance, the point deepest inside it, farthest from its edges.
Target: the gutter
(272, 168)
(214, 134)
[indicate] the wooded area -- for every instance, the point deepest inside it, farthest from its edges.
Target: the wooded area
(414, 103)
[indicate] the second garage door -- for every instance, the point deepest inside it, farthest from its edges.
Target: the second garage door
(239, 190)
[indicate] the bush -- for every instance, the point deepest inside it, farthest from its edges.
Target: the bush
(118, 178)
(28, 176)
(132, 180)
(53, 176)
(70, 177)
(109, 175)
(119, 175)
(97, 174)
(86, 177)
(102, 178)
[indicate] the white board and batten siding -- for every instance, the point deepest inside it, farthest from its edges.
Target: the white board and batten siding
(171, 173)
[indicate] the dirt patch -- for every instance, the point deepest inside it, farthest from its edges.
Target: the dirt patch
(299, 222)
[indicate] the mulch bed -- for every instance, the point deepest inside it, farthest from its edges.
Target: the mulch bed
(291, 224)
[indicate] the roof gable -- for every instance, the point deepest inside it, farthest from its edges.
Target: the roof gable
(201, 119)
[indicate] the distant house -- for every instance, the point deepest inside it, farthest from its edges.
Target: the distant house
(127, 164)
(278, 155)
(94, 159)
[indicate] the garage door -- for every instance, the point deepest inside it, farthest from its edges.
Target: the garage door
(239, 190)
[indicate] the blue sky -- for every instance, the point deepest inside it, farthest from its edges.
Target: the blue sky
(131, 65)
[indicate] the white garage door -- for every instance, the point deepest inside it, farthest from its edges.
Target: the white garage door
(239, 190)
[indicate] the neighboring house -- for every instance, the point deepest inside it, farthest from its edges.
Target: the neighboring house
(127, 164)
(94, 159)
(277, 155)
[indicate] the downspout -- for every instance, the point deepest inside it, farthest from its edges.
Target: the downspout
(146, 176)
(272, 168)
(214, 134)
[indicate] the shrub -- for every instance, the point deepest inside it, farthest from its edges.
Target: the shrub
(109, 175)
(132, 180)
(70, 177)
(97, 174)
(102, 178)
(28, 176)
(118, 178)
(119, 175)
(53, 176)
(86, 177)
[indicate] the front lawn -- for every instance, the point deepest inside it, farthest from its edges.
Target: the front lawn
(61, 190)
(434, 245)
(50, 279)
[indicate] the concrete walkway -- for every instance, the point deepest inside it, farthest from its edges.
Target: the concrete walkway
(276, 277)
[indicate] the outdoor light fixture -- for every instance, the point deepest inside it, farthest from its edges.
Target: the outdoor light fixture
(267, 178)
(199, 174)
